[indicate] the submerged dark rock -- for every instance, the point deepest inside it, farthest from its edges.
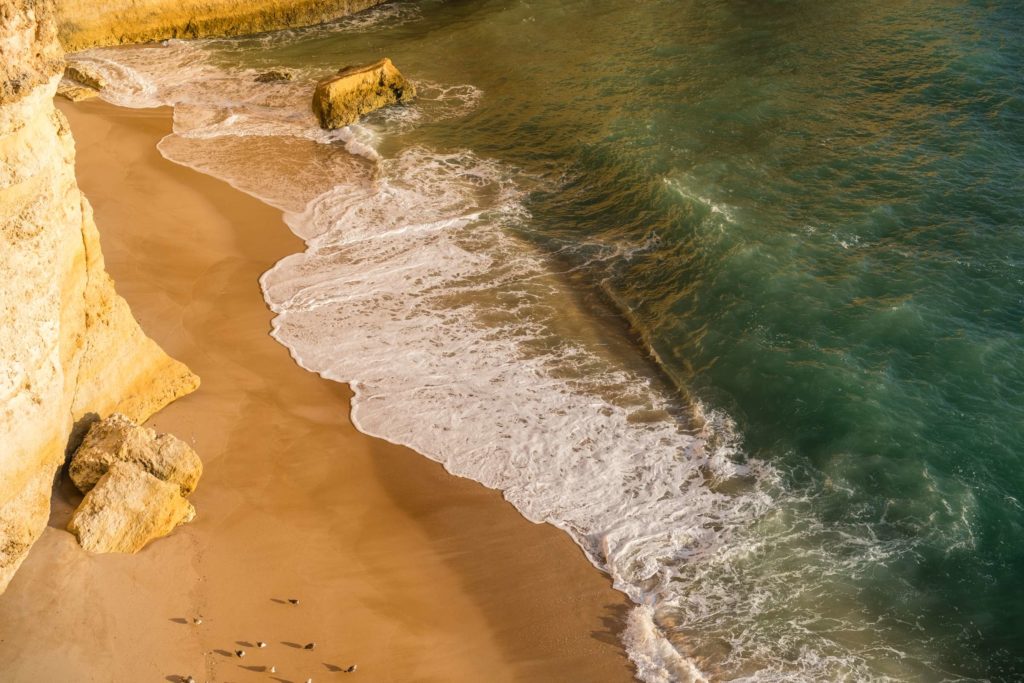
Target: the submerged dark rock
(274, 76)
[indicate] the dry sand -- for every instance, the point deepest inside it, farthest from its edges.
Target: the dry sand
(411, 573)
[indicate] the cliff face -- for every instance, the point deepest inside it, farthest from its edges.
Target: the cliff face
(88, 23)
(69, 347)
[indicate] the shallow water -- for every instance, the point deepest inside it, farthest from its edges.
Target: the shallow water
(731, 292)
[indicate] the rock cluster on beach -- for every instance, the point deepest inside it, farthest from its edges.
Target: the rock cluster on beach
(69, 346)
(127, 509)
(118, 439)
(135, 483)
(357, 90)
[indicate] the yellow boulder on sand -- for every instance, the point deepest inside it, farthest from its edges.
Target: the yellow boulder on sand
(118, 439)
(127, 509)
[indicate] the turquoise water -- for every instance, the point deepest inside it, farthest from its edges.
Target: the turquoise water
(790, 233)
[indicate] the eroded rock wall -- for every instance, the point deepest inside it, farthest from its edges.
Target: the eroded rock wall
(69, 346)
(88, 23)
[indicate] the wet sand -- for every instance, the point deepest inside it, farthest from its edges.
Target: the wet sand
(411, 573)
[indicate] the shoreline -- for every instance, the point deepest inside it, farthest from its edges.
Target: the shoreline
(402, 568)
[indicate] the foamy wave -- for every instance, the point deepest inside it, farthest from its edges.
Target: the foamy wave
(683, 187)
(462, 343)
(656, 660)
(434, 102)
(208, 100)
(391, 14)
(388, 15)
(212, 102)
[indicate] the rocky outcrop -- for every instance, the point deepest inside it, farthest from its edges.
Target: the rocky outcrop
(118, 439)
(80, 83)
(357, 90)
(88, 23)
(69, 347)
(127, 509)
(29, 53)
(83, 75)
(75, 92)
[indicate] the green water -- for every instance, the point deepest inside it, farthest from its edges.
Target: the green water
(811, 214)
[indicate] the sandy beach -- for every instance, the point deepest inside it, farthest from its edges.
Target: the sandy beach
(401, 568)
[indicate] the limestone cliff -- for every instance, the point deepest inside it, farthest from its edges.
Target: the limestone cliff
(88, 23)
(69, 347)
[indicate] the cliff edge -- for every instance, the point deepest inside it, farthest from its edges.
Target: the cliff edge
(87, 23)
(70, 349)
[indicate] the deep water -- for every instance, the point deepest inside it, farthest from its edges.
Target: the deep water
(799, 226)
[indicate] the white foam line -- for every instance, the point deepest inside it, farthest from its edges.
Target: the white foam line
(406, 229)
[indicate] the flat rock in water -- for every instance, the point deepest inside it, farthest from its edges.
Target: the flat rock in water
(357, 90)
(126, 509)
(118, 439)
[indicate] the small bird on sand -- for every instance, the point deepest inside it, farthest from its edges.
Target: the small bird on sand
(294, 601)
(351, 669)
(197, 620)
(309, 646)
(260, 643)
(273, 669)
(190, 679)
(240, 653)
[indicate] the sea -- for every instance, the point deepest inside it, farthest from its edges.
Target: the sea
(729, 291)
